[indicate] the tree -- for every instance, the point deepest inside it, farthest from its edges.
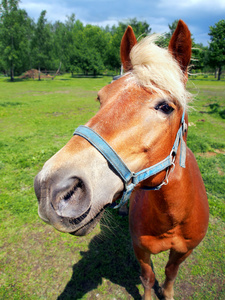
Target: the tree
(75, 42)
(85, 56)
(141, 29)
(165, 38)
(42, 43)
(60, 46)
(198, 57)
(69, 40)
(112, 60)
(15, 27)
(216, 54)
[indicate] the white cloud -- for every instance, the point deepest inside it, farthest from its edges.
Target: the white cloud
(205, 5)
(198, 14)
(109, 22)
(55, 12)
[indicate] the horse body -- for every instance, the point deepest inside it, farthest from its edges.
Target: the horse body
(174, 218)
(139, 117)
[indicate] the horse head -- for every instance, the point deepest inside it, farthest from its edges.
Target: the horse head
(139, 117)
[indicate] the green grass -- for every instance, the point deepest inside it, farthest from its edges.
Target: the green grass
(36, 261)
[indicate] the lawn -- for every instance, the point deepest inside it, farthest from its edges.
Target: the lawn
(38, 262)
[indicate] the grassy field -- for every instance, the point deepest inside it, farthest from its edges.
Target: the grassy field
(37, 262)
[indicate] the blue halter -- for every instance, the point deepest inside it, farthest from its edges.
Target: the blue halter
(129, 178)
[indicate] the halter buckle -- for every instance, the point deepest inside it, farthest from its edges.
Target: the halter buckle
(184, 127)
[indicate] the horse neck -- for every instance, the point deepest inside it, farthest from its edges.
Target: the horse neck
(175, 203)
(177, 192)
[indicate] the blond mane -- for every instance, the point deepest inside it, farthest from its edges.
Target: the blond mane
(157, 70)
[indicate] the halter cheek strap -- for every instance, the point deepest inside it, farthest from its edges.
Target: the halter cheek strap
(129, 178)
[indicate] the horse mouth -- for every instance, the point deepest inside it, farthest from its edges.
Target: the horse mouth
(90, 225)
(76, 221)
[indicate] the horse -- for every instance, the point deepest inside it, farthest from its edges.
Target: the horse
(135, 148)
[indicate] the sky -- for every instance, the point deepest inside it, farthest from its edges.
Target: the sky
(197, 14)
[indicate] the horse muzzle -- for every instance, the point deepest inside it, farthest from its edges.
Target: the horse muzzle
(64, 203)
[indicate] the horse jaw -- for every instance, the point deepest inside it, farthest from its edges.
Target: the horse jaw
(73, 191)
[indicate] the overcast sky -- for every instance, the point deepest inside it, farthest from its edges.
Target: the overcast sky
(198, 14)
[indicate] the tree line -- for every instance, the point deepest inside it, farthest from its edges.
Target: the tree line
(78, 48)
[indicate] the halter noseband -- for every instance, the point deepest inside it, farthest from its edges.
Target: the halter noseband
(129, 178)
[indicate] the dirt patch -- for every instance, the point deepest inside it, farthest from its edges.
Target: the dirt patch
(219, 151)
(211, 154)
(33, 73)
(54, 114)
(207, 154)
(220, 171)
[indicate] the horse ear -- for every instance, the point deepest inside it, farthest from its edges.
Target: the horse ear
(127, 43)
(180, 46)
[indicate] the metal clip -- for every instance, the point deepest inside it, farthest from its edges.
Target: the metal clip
(184, 128)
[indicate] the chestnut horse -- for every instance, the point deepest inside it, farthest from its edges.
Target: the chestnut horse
(141, 126)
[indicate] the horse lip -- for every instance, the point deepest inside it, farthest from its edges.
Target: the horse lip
(76, 221)
(87, 225)
(73, 221)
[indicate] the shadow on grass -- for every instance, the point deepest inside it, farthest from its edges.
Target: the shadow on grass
(110, 256)
(86, 76)
(7, 79)
(215, 108)
(18, 79)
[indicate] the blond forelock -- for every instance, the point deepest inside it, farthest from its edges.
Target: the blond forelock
(156, 69)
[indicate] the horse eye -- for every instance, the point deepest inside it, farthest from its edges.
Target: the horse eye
(165, 108)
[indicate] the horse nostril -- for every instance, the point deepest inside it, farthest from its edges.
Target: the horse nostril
(71, 198)
(79, 186)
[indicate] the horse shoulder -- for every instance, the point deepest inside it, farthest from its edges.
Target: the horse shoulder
(196, 223)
